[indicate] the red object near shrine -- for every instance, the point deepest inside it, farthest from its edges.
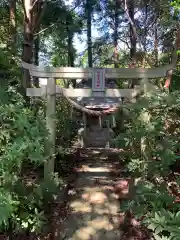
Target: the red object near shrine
(167, 84)
(98, 80)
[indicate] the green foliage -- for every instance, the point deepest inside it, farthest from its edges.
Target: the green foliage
(19, 128)
(8, 67)
(152, 137)
(176, 5)
(165, 224)
(22, 139)
(66, 127)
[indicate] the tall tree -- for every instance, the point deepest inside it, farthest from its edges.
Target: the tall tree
(12, 23)
(116, 25)
(70, 35)
(133, 39)
(129, 8)
(89, 10)
(156, 44)
(33, 13)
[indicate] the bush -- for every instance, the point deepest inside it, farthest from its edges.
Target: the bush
(152, 138)
(66, 127)
(22, 139)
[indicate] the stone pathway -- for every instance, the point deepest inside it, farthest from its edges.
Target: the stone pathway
(94, 207)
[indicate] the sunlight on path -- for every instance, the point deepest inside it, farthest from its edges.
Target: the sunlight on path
(94, 206)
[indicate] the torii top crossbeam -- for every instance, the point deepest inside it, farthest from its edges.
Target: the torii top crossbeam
(86, 73)
(98, 90)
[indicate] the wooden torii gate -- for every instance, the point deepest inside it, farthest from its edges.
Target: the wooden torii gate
(98, 90)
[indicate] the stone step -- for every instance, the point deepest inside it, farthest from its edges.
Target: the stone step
(97, 134)
(96, 137)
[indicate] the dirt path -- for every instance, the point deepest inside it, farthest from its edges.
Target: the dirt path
(94, 207)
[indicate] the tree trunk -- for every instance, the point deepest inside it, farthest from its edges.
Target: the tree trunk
(132, 34)
(36, 57)
(12, 33)
(89, 32)
(71, 55)
(36, 50)
(70, 51)
(69, 23)
(70, 34)
(12, 24)
(156, 45)
(133, 41)
(27, 53)
(116, 35)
